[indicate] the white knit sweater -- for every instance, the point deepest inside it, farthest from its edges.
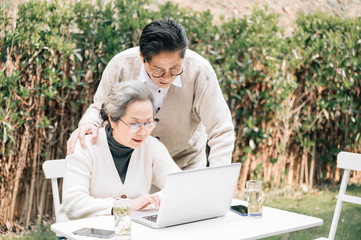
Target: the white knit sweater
(91, 181)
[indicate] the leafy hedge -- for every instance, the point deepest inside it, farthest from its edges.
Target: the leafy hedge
(295, 101)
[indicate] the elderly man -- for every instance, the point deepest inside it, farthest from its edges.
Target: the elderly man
(189, 103)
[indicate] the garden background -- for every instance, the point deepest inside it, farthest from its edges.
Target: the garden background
(295, 99)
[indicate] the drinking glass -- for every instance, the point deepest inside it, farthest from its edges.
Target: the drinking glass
(121, 211)
(254, 198)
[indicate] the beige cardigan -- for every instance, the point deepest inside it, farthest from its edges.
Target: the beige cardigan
(91, 181)
(189, 113)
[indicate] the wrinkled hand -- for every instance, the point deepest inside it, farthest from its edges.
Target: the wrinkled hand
(80, 132)
(144, 201)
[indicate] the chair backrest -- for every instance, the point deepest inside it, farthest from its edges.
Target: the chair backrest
(54, 169)
(347, 161)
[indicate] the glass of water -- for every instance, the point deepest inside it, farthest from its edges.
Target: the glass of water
(254, 198)
(121, 211)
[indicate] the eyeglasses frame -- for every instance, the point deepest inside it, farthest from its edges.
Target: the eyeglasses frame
(155, 121)
(173, 75)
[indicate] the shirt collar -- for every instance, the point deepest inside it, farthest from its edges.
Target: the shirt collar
(144, 77)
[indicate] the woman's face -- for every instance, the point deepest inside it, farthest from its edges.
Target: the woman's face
(166, 62)
(137, 112)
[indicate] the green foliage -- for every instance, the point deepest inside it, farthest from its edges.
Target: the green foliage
(286, 95)
(268, 80)
(248, 58)
(287, 90)
(10, 101)
(264, 75)
(330, 75)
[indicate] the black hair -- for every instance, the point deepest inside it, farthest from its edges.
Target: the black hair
(162, 36)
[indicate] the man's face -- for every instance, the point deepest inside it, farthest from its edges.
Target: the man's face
(166, 62)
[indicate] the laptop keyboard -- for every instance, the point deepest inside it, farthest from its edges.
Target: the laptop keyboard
(152, 218)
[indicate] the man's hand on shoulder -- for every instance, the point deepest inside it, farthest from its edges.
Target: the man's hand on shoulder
(80, 132)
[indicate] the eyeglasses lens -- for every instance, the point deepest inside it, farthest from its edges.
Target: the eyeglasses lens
(173, 72)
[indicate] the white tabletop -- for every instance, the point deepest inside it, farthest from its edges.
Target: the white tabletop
(232, 226)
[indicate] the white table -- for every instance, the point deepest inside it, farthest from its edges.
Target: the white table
(232, 226)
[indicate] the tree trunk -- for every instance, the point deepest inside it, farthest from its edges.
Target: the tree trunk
(264, 155)
(298, 172)
(264, 162)
(20, 168)
(23, 201)
(306, 170)
(313, 160)
(279, 170)
(42, 200)
(303, 165)
(291, 170)
(245, 173)
(5, 190)
(32, 183)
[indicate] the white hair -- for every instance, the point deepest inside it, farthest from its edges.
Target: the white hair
(123, 94)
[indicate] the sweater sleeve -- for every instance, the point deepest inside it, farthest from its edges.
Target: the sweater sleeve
(214, 113)
(108, 80)
(77, 201)
(163, 164)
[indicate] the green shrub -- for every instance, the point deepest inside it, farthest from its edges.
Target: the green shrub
(295, 101)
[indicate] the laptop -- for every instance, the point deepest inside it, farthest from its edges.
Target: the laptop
(193, 195)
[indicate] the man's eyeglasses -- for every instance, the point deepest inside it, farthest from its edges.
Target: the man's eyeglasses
(173, 72)
(135, 127)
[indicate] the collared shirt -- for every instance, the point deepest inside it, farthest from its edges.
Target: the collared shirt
(159, 93)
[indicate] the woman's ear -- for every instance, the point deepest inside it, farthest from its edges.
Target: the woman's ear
(110, 121)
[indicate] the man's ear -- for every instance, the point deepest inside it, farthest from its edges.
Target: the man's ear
(141, 56)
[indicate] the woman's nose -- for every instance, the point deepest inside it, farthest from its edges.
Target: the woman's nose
(142, 130)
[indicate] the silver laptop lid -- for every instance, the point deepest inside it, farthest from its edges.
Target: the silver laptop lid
(197, 194)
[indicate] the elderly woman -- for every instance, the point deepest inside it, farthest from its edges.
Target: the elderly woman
(125, 161)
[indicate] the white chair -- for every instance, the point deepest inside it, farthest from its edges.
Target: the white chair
(54, 169)
(347, 161)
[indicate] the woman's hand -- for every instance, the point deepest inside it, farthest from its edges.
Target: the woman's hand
(144, 201)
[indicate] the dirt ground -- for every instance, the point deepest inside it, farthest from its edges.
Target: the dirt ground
(288, 9)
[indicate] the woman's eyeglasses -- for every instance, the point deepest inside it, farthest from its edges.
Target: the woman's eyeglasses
(135, 127)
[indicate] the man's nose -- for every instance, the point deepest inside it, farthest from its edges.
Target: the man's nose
(167, 75)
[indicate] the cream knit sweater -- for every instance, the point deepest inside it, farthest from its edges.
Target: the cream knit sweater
(190, 114)
(91, 181)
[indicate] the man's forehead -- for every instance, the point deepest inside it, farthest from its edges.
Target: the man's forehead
(166, 60)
